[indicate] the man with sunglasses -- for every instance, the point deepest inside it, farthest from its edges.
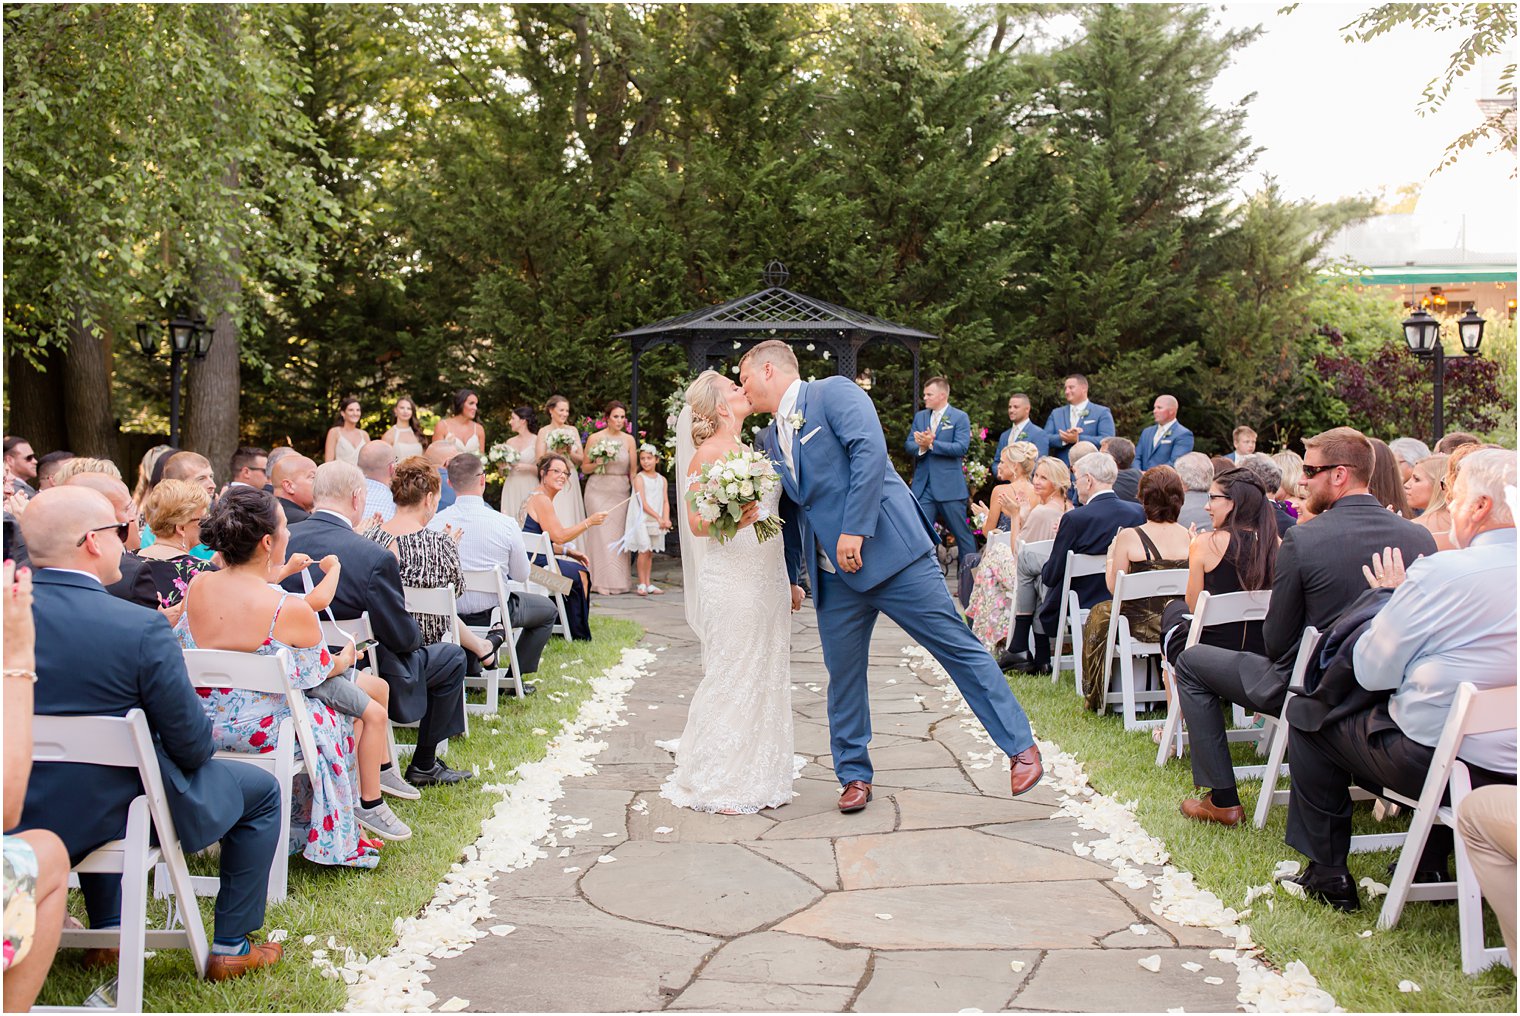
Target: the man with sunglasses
(22, 462)
(136, 584)
(1318, 575)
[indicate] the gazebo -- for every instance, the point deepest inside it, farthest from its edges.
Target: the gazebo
(712, 334)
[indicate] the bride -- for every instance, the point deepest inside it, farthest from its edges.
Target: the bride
(735, 755)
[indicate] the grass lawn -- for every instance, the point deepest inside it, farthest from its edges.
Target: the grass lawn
(1362, 974)
(359, 908)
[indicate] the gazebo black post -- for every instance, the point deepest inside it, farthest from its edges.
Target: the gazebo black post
(916, 386)
(633, 400)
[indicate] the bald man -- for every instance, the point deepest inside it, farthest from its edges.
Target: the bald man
(377, 461)
(136, 582)
(294, 477)
(1165, 441)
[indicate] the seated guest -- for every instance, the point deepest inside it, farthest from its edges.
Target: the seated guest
(439, 453)
(1127, 483)
(539, 517)
(48, 466)
(1243, 440)
(1086, 530)
(145, 477)
(998, 576)
(1425, 492)
(84, 464)
(429, 559)
(377, 460)
(1157, 544)
(1387, 485)
(249, 468)
(1486, 823)
(1448, 484)
(426, 682)
(36, 861)
(192, 468)
(175, 511)
(293, 477)
(1415, 649)
(1078, 450)
(1456, 439)
(1222, 464)
(1197, 474)
(239, 609)
(1009, 501)
(1166, 440)
(487, 539)
(126, 659)
(1289, 493)
(1271, 477)
(1317, 575)
(136, 584)
(1410, 452)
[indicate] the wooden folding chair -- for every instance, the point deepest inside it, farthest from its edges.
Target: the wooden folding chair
(493, 582)
(1072, 615)
(1121, 644)
(1211, 610)
(125, 742)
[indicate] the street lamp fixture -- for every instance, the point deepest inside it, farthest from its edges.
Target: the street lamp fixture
(186, 335)
(1422, 333)
(1470, 328)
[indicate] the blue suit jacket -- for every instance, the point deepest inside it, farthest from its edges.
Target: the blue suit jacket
(1096, 425)
(845, 484)
(1034, 434)
(937, 473)
(98, 655)
(1172, 447)
(1086, 530)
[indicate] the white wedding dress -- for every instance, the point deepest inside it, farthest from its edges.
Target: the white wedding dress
(735, 753)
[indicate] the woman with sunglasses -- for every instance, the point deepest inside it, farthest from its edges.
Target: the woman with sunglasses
(174, 511)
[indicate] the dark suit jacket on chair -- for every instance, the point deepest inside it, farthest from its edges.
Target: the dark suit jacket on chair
(1086, 530)
(123, 657)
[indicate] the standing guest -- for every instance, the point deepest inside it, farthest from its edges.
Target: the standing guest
(426, 682)
(1197, 474)
(1425, 492)
(125, 659)
(1413, 649)
(523, 476)
(1021, 428)
(607, 491)
(654, 508)
(1127, 483)
(461, 425)
(22, 462)
(1486, 823)
(402, 435)
(48, 466)
(1271, 477)
(346, 438)
(1243, 439)
(377, 461)
(440, 454)
(489, 539)
(559, 436)
(1077, 420)
(249, 468)
(293, 477)
(175, 511)
(1456, 439)
(1410, 451)
(539, 516)
(991, 603)
(36, 861)
(1165, 441)
(939, 439)
(1387, 485)
(136, 584)
(1318, 573)
(145, 471)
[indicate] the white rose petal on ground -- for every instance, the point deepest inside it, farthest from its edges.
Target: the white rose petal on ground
(1285, 868)
(1016, 966)
(662, 830)
(1294, 889)
(455, 1004)
(605, 859)
(883, 917)
(1151, 963)
(1364, 934)
(1192, 968)
(1213, 980)
(502, 930)
(277, 935)
(570, 871)
(1374, 888)
(1408, 986)
(1139, 929)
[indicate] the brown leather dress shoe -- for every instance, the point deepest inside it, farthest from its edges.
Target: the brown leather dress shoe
(857, 794)
(1025, 770)
(262, 954)
(1204, 809)
(99, 959)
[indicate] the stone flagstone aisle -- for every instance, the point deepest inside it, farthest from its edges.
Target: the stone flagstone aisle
(944, 895)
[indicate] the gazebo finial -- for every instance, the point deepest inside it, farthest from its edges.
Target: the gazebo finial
(775, 274)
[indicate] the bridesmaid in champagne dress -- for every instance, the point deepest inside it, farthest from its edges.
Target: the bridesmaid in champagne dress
(522, 477)
(568, 504)
(607, 490)
(469, 435)
(403, 435)
(345, 440)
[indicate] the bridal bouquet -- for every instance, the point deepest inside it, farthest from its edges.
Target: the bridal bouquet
(503, 456)
(720, 491)
(602, 453)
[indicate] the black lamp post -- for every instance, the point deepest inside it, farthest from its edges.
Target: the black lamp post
(186, 335)
(1422, 333)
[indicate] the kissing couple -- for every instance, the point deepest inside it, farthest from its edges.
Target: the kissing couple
(849, 519)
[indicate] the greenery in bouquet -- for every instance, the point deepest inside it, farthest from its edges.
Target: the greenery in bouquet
(723, 488)
(560, 441)
(503, 456)
(602, 453)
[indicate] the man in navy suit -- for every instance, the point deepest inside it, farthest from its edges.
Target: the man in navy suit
(939, 440)
(1078, 420)
(1166, 440)
(1021, 428)
(126, 658)
(1087, 530)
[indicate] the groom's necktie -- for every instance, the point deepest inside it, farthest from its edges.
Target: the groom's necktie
(784, 436)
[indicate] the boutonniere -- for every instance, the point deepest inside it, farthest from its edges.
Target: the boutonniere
(1082, 416)
(795, 421)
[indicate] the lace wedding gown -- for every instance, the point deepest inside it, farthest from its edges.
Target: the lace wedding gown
(735, 753)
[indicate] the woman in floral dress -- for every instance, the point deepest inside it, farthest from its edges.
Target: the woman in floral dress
(992, 596)
(174, 511)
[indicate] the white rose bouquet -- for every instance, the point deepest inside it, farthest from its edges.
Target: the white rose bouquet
(560, 441)
(976, 474)
(719, 493)
(602, 453)
(503, 456)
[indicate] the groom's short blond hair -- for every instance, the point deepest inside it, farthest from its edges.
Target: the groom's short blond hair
(772, 351)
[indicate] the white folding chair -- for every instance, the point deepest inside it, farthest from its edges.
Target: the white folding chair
(493, 582)
(1211, 610)
(220, 668)
(440, 602)
(1013, 596)
(1071, 615)
(1472, 712)
(126, 743)
(539, 544)
(1120, 643)
(1277, 733)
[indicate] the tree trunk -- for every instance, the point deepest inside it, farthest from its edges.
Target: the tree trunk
(87, 393)
(211, 423)
(36, 398)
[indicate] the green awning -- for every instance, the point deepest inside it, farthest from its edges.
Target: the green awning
(1424, 275)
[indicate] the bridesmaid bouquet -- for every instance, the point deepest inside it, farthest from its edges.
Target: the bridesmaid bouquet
(503, 456)
(720, 491)
(602, 453)
(560, 441)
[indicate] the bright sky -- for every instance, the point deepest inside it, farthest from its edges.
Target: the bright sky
(1339, 119)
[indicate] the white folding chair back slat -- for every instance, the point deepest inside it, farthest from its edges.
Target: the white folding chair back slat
(493, 582)
(126, 743)
(1071, 615)
(537, 544)
(1211, 610)
(1120, 644)
(441, 603)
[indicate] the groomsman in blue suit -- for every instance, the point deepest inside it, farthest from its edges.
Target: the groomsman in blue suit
(1022, 429)
(939, 440)
(1166, 440)
(1078, 420)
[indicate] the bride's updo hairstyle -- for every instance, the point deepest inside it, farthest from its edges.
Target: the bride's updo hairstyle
(704, 397)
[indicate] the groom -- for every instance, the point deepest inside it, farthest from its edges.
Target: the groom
(868, 550)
